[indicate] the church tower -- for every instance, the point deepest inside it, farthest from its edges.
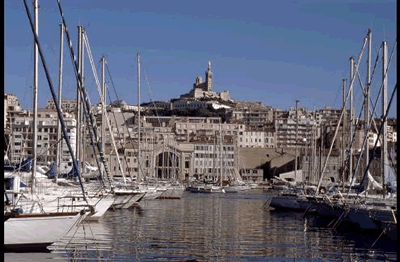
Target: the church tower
(209, 77)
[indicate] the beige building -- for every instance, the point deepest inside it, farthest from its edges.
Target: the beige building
(67, 105)
(214, 160)
(286, 131)
(22, 138)
(253, 137)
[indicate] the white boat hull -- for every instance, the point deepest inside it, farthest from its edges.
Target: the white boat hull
(34, 232)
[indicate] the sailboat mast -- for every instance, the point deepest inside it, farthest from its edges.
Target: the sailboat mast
(78, 98)
(384, 153)
(295, 144)
(367, 92)
(60, 70)
(138, 95)
(343, 130)
(103, 124)
(351, 117)
(220, 150)
(82, 128)
(35, 93)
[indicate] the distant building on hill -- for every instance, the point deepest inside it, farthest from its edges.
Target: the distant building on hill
(203, 90)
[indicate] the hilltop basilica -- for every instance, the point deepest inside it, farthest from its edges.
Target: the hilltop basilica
(203, 90)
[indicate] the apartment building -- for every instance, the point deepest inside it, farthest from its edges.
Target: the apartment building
(257, 138)
(286, 131)
(12, 109)
(211, 161)
(22, 138)
(191, 129)
(252, 117)
(67, 105)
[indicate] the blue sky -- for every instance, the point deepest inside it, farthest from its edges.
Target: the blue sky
(270, 51)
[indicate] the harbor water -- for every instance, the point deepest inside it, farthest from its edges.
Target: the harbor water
(211, 227)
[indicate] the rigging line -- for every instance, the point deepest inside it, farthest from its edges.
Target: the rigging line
(371, 158)
(92, 138)
(379, 93)
(119, 135)
(79, 77)
(125, 120)
(341, 115)
(152, 96)
(60, 116)
(102, 98)
(375, 65)
(337, 95)
(354, 135)
(391, 56)
(361, 152)
(154, 105)
(91, 116)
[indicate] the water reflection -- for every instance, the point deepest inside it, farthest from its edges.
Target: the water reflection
(222, 227)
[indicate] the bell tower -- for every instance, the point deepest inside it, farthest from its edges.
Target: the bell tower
(209, 77)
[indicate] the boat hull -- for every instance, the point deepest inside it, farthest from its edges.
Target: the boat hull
(35, 232)
(285, 202)
(172, 193)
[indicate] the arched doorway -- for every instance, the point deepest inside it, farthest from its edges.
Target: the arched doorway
(167, 165)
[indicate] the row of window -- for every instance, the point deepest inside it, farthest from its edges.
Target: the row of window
(210, 163)
(207, 170)
(45, 130)
(210, 148)
(214, 156)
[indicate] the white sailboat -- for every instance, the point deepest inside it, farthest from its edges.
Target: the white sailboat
(35, 231)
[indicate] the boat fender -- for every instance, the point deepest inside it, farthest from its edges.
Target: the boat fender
(322, 190)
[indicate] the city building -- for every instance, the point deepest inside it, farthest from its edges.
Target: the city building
(67, 105)
(286, 131)
(204, 90)
(214, 160)
(21, 139)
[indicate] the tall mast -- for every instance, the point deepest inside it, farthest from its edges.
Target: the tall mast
(78, 98)
(220, 151)
(343, 130)
(295, 144)
(367, 92)
(103, 124)
(35, 93)
(384, 153)
(138, 95)
(60, 69)
(82, 125)
(351, 117)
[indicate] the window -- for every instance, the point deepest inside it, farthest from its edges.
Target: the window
(187, 164)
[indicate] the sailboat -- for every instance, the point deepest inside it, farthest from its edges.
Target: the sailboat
(36, 231)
